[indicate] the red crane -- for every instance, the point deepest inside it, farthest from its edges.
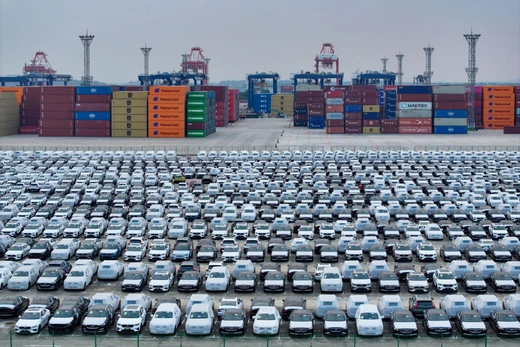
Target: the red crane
(39, 65)
(195, 62)
(326, 59)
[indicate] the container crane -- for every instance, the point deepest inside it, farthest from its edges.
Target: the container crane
(326, 60)
(195, 64)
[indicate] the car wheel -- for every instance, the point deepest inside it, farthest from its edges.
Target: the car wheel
(84, 286)
(39, 329)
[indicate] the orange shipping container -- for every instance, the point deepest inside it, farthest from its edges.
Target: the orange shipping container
(166, 116)
(498, 97)
(166, 125)
(169, 90)
(498, 111)
(500, 103)
(498, 89)
(495, 126)
(165, 133)
(167, 99)
(18, 92)
(496, 118)
(170, 108)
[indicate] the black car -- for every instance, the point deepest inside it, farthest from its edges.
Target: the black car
(436, 322)
(386, 282)
(283, 254)
(233, 322)
(473, 282)
(402, 270)
(259, 301)
(40, 250)
(464, 321)
(69, 318)
(499, 253)
(257, 254)
(303, 255)
(13, 306)
(301, 315)
(329, 254)
(188, 266)
(165, 300)
(294, 268)
(49, 302)
(246, 282)
(134, 281)
(402, 324)
(474, 253)
(80, 302)
(51, 279)
(450, 252)
(429, 269)
(267, 268)
(502, 282)
(62, 264)
(189, 281)
(273, 243)
(505, 323)
(99, 319)
(420, 303)
(302, 282)
(209, 253)
(89, 249)
(111, 251)
(274, 281)
(292, 303)
(334, 317)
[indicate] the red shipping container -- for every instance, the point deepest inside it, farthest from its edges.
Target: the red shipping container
(93, 98)
(195, 126)
(512, 129)
(219, 104)
(370, 94)
(54, 107)
(370, 101)
(419, 129)
(300, 105)
(517, 101)
(316, 113)
(354, 123)
(449, 97)
(221, 92)
(478, 103)
(92, 124)
(317, 100)
(371, 123)
(57, 115)
(30, 122)
(353, 130)
(389, 122)
(93, 107)
(334, 94)
(32, 98)
(344, 88)
(286, 89)
(517, 120)
(86, 132)
(56, 132)
(314, 93)
(415, 121)
(479, 111)
(29, 130)
(303, 93)
(135, 88)
(335, 130)
(517, 89)
(301, 117)
(389, 130)
(220, 123)
(353, 101)
(334, 109)
(390, 88)
(60, 124)
(57, 98)
(414, 97)
(302, 100)
(460, 105)
(335, 123)
(30, 113)
(353, 116)
(31, 105)
(364, 87)
(32, 90)
(316, 106)
(353, 94)
(58, 90)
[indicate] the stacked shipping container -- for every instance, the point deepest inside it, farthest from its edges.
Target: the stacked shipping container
(499, 107)
(57, 111)
(334, 107)
(301, 106)
(233, 105)
(282, 103)
(353, 111)
(389, 123)
(221, 94)
(201, 114)
(316, 110)
(166, 111)
(9, 114)
(450, 115)
(414, 109)
(517, 105)
(92, 111)
(129, 114)
(30, 110)
(262, 103)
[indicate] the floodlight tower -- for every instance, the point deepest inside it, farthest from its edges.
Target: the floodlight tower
(428, 73)
(86, 40)
(400, 69)
(384, 60)
(206, 60)
(471, 70)
(146, 53)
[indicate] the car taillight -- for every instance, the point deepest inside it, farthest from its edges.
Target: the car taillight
(416, 305)
(433, 305)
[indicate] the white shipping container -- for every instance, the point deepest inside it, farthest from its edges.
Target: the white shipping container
(449, 89)
(450, 122)
(414, 113)
(334, 101)
(414, 105)
(334, 115)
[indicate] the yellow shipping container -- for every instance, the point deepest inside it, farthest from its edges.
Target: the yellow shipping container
(130, 95)
(371, 130)
(129, 118)
(129, 110)
(130, 102)
(130, 125)
(371, 108)
(8, 131)
(129, 133)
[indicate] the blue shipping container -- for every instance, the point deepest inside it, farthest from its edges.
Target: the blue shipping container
(389, 116)
(300, 111)
(450, 114)
(94, 90)
(390, 92)
(450, 130)
(353, 108)
(414, 90)
(370, 115)
(92, 115)
(316, 122)
(262, 96)
(390, 111)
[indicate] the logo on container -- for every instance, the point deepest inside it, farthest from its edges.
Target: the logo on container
(156, 90)
(490, 104)
(156, 132)
(156, 124)
(490, 111)
(451, 113)
(155, 98)
(93, 90)
(155, 115)
(155, 107)
(92, 115)
(490, 96)
(451, 130)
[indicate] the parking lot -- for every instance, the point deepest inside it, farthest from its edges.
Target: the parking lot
(457, 175)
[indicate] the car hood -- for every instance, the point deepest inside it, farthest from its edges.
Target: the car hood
(419, 283)
(216, 280)
(506, 282)
(300, 325)
(42, 280)
(129, 321)
(361, 281)
(94, 320)
(333, 324)
(159, 282)
(508, 325)
(477, 283)
(332, 253)
(405, 325)
(390, 282)
(439, 324)
(273, 283)
(265, 323)
(446, 281)
(28, 322)
(302, 283)
(231, 323)
(205, 254)
(131, 282)
(474, 325)
(187, 282)
(64, 320)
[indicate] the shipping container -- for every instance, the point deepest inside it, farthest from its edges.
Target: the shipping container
(58, 90)
(450, 129)
(334, 94)
(129, 118)
(95, 90)
(335, 123)
(499, 97)
(450, 97)
(57, 115)
(92, 124)
(414, 105)
(166, 133)
(498, 89)
(353, 123)
(389, 130)
(370, 101)
(299, 123)
(29, 130)
(335, 101)
(448, 105)
(129, 126)
(449, 89)
(450, 121)
(371, 115)
(55, 107)
(129, 95)
(92, 132)
(353, 108)
(334, 108)
(92, 107)
(371, 130)
(169, 89)
(353, 101)
(371, 123)
(301, 117)
(129, 110)
(496, 126)
(57, 124)
(414, 97)
(49, 98)
(129, 103)
(353, 129)
(414, 121)
(354, 116)
(389, 122)
(512, 129)
(92, 116)
(414, 113)
(58, 132)
(93, 98)
(335, 130)
(371, 108)
(499, 111)
(129, 133)
(450, 114)
(500, 104)
(415, 129)
(332, 116)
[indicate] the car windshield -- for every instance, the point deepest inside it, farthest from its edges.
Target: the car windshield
(388, 277)
(40, 246)
(164, 314)
(130, 314)
(335, 317)
(245, 277)
(111, 246)
(331, 275)
(506, 318)
(62, 247)
(160, 277)
(302, 317)
(76, 273)
(134, 249)
(471, 318)
(302, 277)
(353, 247)
(417, 278)
(182, 247)
(16, 247)
(502, 277)
(438, 317)
(217, 275)
(274, 277)
(232, 316)
(87, 246)
(31, 315)
(198, 315)
(21, 274)
(188, 276)
(228, 303)
(63, 313)
(206, 249)
(360, 276)
(404, 318)
(427, 248)
(369, 315)
(265, 316)
(51, 273)
(446, 276)
(134, 276)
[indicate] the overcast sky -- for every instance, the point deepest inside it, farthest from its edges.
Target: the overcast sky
(242, 36)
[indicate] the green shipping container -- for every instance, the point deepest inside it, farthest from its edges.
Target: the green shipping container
(518, 111)
(198, 103)
(198, 95)
(196, 133)
(196, 118)
(196, 112)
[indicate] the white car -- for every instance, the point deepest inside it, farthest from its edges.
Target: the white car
(512, 302)
(65, 249)
(105, 299)
(23, 278)
(417, 282)
(229, 304)
(444, 281)
(78, 278)
(200, 319)
(5, 275)
(138, 299)
(426, 252)
(219, 279)
(267, 321)
(132, 318)
(159, 250)
(433, 232)
(32, 321)
(10, 265)
(91, 264)
(135, 252)
(161, 281)
(18, 251)
(368, 321)
(318, 270)
(331, 281)
(110, 270)
(166, 319)
(199, 299)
